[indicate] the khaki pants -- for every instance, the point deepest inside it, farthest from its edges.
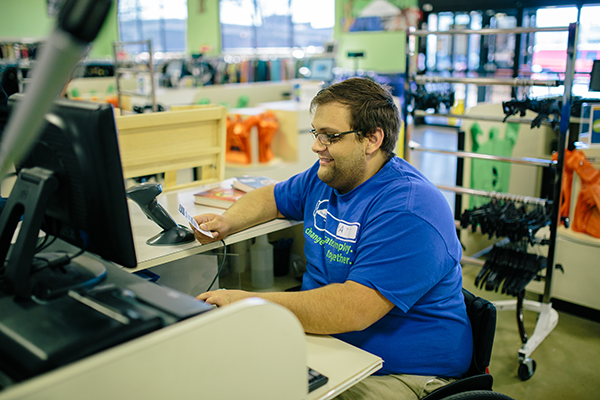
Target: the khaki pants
(396, 387)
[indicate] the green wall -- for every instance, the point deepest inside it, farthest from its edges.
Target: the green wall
(384, 50)
(29, 19)
(24, 19)
(204, 28)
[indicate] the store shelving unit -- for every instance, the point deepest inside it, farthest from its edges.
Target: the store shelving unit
(136, 68)
(19, 53)
(548, 317)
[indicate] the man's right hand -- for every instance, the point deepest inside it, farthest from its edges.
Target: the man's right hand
(251, 209)
(215, 223)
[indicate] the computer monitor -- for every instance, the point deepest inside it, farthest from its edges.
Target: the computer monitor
(322, 69)
(71, 186)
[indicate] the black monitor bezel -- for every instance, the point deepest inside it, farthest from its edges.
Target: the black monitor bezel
(89, 209)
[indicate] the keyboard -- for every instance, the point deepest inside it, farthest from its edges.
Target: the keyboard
(315, 379)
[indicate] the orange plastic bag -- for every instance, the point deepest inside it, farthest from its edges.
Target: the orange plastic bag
(586, 218)
(239, 149)
(267, 128)
(238, 140)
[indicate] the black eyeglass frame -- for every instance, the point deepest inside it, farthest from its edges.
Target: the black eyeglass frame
(329, 137)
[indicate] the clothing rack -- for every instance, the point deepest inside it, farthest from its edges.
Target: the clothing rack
(548, 317)
(245, 68)
(19, 54)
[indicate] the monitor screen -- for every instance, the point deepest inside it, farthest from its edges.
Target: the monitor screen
(71, 186)
(322, 69)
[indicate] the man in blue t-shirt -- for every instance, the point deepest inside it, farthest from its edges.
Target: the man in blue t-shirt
(382, 253)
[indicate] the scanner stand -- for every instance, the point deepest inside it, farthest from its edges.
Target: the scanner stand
(144, 195)
(175, 235)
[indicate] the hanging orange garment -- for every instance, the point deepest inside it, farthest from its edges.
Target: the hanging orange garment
(267, 128)
(586, 218)
(587, 214)
(238, 149)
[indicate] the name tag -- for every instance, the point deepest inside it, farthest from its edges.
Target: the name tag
(345, 231)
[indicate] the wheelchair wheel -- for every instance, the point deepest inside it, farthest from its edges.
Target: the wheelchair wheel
(479, 395)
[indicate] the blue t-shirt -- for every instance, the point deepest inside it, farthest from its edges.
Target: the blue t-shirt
(394, 233)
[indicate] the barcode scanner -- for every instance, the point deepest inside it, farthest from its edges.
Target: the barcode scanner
(145, 195)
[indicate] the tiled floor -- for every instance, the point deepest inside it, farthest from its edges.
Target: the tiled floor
(568, 358)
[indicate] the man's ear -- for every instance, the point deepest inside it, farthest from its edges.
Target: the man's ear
(374, 141)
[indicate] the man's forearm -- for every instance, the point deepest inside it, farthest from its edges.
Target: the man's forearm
(253, 208)
(334, 308)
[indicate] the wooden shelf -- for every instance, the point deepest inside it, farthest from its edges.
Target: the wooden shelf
(166, 142)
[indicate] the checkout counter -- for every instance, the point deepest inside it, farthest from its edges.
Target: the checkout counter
(252, 349)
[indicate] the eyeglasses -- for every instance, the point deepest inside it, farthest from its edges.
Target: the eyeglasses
(325, 139)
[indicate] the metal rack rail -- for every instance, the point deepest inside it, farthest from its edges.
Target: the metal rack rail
(422, 79)
(496, 195)
(528, 121)
(540, 162)
(486, 31)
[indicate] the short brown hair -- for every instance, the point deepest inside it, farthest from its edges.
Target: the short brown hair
(371, 106)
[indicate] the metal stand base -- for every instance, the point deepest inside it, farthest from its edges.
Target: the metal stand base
(547, 320)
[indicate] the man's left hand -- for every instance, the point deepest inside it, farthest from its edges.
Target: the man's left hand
(223, 297)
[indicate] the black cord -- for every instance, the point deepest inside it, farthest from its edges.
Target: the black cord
(41, 245)
(45, 245)
(39, 248)
(58, 262)
(220, 266)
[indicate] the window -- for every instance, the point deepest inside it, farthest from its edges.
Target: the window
(163, 21)
(549, 50)
(453, 53)
(270, 26)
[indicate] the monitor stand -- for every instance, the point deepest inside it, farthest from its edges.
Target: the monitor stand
(53, 274)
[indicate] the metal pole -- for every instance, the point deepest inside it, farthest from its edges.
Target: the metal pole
(421, 79)
(496, 195)
(407, 79)
(490, 31)
(538, 162)
(116, 47)
(151, 70)
(517, 50)
(562, 141)
(420, 113)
